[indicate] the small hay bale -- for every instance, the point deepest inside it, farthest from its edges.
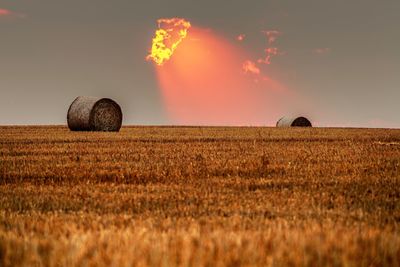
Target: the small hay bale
(294, 122)
(94, 114)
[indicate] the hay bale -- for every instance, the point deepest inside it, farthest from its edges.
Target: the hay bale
(294, 122)
(94, 114)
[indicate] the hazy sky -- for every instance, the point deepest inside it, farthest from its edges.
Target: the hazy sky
(341, 56)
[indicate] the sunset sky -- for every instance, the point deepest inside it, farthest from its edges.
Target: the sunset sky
(243, 62)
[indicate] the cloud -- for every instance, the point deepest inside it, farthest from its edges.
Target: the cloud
(253, 66)
(322, 51)
(270, 52)
(240, 37)
(250, 67)
(272, 35)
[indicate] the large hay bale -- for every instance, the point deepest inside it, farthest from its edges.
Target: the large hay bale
(294, 122)
(94, 114)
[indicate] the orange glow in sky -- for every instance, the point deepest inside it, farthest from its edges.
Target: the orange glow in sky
(203, 83)
(4, 12)
(250, 67)
(240, 37)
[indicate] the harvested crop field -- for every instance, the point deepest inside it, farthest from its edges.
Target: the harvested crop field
(198, 196)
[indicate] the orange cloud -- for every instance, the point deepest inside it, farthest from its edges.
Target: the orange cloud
(272, 35)
(240, 37)
(270, 52)
(250, 67)
(253, 67)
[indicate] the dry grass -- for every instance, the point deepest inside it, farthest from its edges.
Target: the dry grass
(165, 196)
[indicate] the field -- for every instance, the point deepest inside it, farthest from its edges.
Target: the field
(198, 196)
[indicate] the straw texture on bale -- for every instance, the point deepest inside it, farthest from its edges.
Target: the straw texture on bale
(94, 114)
(294, 122)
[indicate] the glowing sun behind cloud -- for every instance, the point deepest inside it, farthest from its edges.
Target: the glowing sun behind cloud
(203, 83)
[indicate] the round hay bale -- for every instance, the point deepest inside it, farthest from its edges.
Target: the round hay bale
(294, 122)
(94, 114)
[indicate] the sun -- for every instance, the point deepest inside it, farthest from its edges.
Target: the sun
(171, 32)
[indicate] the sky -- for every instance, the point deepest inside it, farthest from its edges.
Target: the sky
(338, 62)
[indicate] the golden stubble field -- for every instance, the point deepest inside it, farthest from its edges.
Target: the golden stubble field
(198, 196)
